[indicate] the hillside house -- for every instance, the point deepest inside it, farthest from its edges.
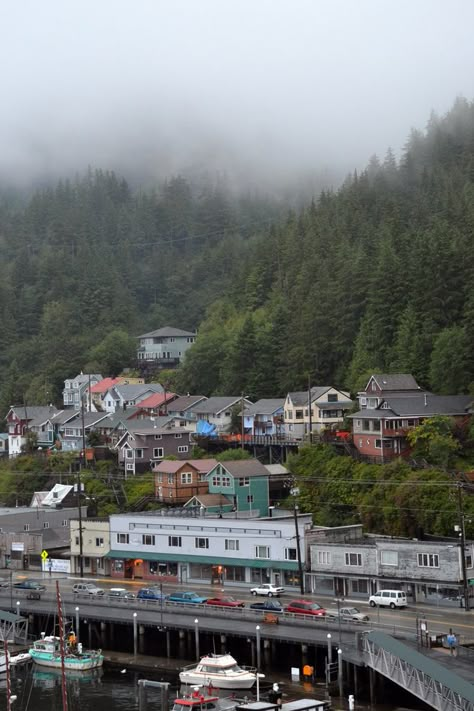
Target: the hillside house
(165, 347)
(75, 389)
(328, 407)
(144, 444)
(381, 432)
(19, 420)
(265, 418)
(214, 415)
(183, 409)
(177, 481)
(123, 396)
(96, 393)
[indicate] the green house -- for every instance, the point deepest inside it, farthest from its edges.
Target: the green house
(244, 483)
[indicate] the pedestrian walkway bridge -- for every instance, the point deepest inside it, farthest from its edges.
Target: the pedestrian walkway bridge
(421, 675)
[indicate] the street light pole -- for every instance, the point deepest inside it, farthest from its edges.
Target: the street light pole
(196, 637)
(462, 536)
(298, 548)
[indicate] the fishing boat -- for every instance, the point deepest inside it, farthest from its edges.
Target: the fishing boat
(47, 652)
(219, 670)
(203, 700)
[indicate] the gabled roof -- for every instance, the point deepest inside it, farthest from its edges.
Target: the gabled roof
(113, 419)
(167, 332)
(34, 412)
(208, 500)
(394, 381)
(215, 405)
(132, 392)
(244, 468)
(421, 405)
(90, 419)
(84, 378)
(105, 384)
(185, 402)
(156, 399)
(265, 406)
(171, 466)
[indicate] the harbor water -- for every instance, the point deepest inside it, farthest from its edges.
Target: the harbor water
(105, 690)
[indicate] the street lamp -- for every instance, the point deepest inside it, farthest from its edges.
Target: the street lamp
(135, 635)
(77, 624)
(338, 601)
(257, 630)
(18, 608)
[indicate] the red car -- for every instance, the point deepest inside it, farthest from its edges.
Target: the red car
(225, 602)
(306, 607)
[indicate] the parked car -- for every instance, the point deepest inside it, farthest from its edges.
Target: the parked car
(29, 584)
(190, 597)
(151, 594)
(388, 598)
(225, 602)
(348, 614)
(121, 594)
(87, 589)
(267, 589)
(306, 607)
(4, 583)
(267, 606)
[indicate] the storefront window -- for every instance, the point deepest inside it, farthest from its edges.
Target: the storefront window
(290, 577)
(259, 575)
(157, 568)
(118, 566)
(235, 573)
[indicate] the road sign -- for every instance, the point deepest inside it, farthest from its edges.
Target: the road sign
(471, 581)
(44, 554)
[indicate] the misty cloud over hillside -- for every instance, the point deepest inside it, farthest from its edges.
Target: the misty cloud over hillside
(264, 91)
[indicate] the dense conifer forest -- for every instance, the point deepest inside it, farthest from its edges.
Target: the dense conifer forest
(374, 276)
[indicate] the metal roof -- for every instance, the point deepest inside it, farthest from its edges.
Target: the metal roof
(167, 332)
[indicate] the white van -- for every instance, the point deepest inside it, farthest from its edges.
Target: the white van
(388, 598)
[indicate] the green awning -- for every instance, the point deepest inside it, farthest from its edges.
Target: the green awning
(210, 560)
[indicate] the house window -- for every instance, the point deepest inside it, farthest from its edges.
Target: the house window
(174, 541)
(226, 481)
(332, 397)
(178, 435)
(46, 524)
(428, 560)
(216, 481)
(99, 542)
(129, 453)
(148, 540)
(158, 453)
(158, 436)
(389, 558)
(159, 478)
(353, 559)
(262, 551)
(231, 544)
(139, 454)
(202, 477)
(186, 478)
(130, 467)
(182, 448)
(324, 558)
(122, 538)
(65, 523)
(290, 554)
(77, 540)
(201, 542)
(299, 414)
(250, 499)
(244, 481)
(289, 415)
(468, 560)
(170, 478)
(26, 527)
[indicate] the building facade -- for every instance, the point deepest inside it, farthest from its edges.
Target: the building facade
(95, 546)
(315, 410)
(166, 346)
(195, 548)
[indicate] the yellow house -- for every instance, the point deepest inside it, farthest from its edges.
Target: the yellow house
(324, 406)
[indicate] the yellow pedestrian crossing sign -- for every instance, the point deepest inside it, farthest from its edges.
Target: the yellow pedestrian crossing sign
(44, 554)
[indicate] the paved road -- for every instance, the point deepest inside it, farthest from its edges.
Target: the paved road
(438, 620)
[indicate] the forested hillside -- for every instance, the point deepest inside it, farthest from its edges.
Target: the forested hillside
(375, 276)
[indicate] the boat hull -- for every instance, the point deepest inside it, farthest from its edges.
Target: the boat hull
(245, 680)
(84, 663)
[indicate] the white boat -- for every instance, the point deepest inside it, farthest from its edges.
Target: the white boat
(13, 660)
(219, 670)
(203, 700)
(47, 652)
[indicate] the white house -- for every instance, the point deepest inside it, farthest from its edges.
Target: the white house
(216, 413)
(328, 407)
(119, 397)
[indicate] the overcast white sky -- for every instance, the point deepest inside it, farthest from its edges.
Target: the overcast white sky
(249, 86)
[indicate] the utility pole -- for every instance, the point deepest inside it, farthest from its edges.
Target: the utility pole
(310, 413)
(79, 490)
(242, 424)
(462, 535)
(298, 548)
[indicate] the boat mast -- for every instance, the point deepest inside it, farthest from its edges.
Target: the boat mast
(61, 646)
(7, 669)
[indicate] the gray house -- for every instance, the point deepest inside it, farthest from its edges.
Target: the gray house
(145, 443)
(427, 570)
(165, 346)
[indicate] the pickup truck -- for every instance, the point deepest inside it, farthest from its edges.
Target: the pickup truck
(190, 597)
